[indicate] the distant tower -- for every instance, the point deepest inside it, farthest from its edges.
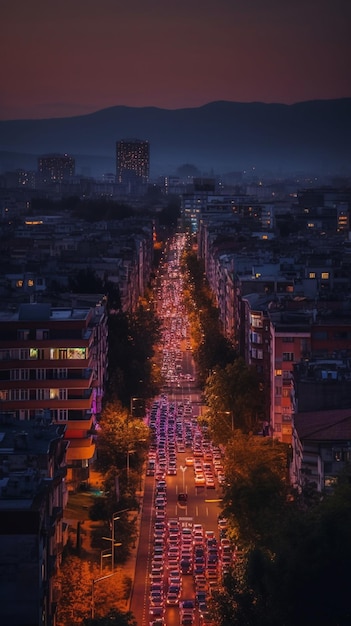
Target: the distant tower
(55, 168)
(132, 164)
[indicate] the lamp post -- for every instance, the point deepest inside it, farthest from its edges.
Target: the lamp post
(115, 516)
(94, 581)
(231, 417)
(129, 452)
(104, 554)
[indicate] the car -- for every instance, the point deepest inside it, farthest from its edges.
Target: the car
(226, 558)
(173, 594)
(172, 471)
(222, 523)
(173, 552)
(200, 480)
(182, 498)
(156, 588)
(210, 534)
(175, 581)
(173, 523)
(201, 583)
(199, 568)
(186, 566)
(200, 597)
(159, 621)
(160, 515)
(210, 483)
(187, 618)
(212, 573)
(206, 619)
(156, 579)
(150, 470)
(156, 572)
(156, 612)
(155, 599)
(187, 604)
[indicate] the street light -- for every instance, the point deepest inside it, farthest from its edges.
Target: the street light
(129, 452)
(104, 554)
(96, 580)
(231, 416)
(115, 516)
(228, 413)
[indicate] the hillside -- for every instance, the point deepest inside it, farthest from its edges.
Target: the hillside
(219, 137)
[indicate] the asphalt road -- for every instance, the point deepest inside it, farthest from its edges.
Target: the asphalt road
(203, 507)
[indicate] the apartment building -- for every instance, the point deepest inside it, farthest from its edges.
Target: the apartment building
(53, 366)
(33, 533)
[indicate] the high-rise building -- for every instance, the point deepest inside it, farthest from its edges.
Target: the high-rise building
(55, 168)
(132, 163)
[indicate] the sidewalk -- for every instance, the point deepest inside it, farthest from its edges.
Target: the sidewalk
(127, 568)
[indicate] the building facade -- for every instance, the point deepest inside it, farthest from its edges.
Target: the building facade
(132, 164)
(32, 530)
(53, 365)
(55, 168)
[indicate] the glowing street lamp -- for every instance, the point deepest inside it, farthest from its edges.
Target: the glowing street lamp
(115, 516)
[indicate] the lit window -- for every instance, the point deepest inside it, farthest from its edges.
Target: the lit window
(76, 353)
(325, 275)
(312, 275)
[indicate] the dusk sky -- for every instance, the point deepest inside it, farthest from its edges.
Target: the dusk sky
(73, 57)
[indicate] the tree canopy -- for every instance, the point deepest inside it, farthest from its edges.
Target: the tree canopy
(234, 399)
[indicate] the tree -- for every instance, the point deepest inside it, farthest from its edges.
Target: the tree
(256, 494)
(119, 433)
(113, 618)
(234, 398)
(296, 568)
(86, 281)
(131, 349)
(76, 578)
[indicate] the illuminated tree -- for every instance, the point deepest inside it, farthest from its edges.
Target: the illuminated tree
(76, 581)
(113, 618)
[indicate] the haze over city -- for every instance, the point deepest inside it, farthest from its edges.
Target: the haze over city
(74, 58)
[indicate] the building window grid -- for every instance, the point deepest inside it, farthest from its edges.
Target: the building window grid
(288, 356)
(18, 394)
(19, 374)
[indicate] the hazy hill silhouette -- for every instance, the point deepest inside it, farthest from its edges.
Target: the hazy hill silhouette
(312, 136)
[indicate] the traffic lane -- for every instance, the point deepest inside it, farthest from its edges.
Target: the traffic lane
(203, 505)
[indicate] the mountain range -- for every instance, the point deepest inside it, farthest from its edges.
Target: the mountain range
(219, 137)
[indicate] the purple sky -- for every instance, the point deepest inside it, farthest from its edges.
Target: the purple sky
(72, 57)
